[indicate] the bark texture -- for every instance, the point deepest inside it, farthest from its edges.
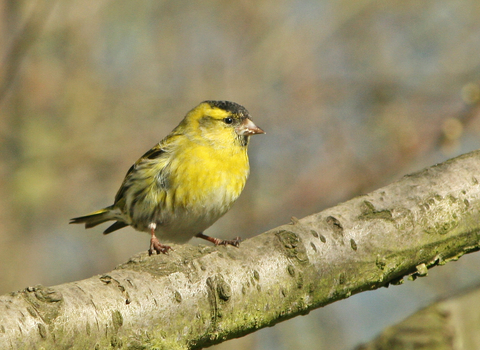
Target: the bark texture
(194, 297)
(451, 324)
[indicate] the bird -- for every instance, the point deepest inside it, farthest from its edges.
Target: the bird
(187, 181)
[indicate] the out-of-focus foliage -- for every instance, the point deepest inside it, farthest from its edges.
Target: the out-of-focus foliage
(352, 94)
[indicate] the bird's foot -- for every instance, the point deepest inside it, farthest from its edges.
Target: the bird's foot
(217, 241)
(156, 246)
(235, 242)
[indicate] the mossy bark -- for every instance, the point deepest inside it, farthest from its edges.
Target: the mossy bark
(194, 297)
(450, 324)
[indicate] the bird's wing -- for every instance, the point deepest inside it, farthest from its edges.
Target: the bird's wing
(155, 152)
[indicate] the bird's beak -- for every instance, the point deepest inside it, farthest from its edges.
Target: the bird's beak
(247, 128)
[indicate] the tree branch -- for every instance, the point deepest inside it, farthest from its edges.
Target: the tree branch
(443, 325)
(194, 297)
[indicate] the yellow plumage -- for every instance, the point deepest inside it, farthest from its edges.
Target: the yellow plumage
(186, 182)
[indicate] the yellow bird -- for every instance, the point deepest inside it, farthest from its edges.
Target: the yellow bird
(187, 181)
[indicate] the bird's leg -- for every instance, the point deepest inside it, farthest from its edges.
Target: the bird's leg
(217, 241)
(155, 245)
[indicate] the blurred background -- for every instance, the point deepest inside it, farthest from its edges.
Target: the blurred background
(353, 94)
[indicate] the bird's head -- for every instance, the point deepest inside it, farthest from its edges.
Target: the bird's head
(221, 123)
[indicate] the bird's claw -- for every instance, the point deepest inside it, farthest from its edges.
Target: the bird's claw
(235, 242)
(156, 246)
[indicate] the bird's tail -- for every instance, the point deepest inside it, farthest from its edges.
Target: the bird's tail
(99, 217)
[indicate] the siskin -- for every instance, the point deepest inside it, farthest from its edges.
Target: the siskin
(186, 182)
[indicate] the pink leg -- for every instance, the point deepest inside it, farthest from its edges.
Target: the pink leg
(155, 245)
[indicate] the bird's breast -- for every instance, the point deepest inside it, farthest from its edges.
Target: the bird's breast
(207, 178)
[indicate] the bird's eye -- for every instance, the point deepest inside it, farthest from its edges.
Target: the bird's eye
(228, 120)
